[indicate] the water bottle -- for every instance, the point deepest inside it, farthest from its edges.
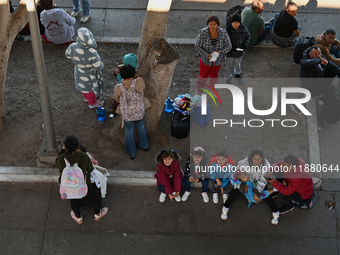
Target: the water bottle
(101, 114)
(168, 108)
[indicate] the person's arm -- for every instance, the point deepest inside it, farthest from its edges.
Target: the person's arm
(117, 93)
(307, 64)
(140, 86)
(69, 20)
(246, 38)
(296, 32)
(68, 52)
(96, 61)
(286, 190)
(327, 54)
(199, 45)
(226, 46)
(178, 176)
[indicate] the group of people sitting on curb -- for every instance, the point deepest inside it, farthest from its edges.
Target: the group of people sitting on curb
(253, 176)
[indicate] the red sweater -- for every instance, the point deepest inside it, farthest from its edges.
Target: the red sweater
(297, 180)
(163, 177)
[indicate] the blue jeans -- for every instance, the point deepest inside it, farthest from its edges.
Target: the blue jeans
(334, 50)
(130, 140)
(187, 184)
(86, 6)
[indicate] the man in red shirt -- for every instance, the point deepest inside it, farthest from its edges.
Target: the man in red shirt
(298, 179)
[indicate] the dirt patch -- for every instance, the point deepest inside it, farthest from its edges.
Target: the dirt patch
(22, 134)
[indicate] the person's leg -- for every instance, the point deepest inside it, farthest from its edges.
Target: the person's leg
(76, 5)
(205, 183)
(75, 205)
(334, 50)
(86, 7)
(130, 145)
(91, 98)
(260, 37)
(275, 18)
(186, 184)
(161, 188)
(270, 202)
(143, 140)
(228, 67)
(232, 197)
(214, 75)
(296, 197)
(237, 65)
(212, 186)
(94, 199)
(203, 76)
(286, 200)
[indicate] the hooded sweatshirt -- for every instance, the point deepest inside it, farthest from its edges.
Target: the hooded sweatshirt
(58, 25)
(87, 63)
(130, 59)
(325, 47)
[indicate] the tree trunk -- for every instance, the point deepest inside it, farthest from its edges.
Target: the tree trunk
(156, 63)
(10, 26)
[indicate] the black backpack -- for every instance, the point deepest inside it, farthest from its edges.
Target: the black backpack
(180, 125)
(331, 108)
(236, 9)
(300, 46)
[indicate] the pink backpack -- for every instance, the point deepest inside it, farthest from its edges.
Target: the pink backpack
(131, 103)
(72, 183)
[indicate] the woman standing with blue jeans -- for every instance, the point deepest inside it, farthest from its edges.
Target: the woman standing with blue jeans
(129, 90)
(86, 9)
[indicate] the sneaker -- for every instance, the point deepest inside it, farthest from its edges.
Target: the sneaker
(285, 209)
(75, 13)
(85, 100)
(275, 219)
(224, 214)
(205, 197)
(102, 213)
(178, 199)
(83, 19)
(215, 198)
(186, 195)
(239, 78)
(97, 104)
(225, 198)
(162, 197)
(228, 81)
(78, 220)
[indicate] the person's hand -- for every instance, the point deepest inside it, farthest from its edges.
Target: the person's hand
(191, 179)
(271, 180)
(257, 199)
(208, 56)
(219, 183)
(324, 61)
(63, 147)
(197, 180)
(117, 71)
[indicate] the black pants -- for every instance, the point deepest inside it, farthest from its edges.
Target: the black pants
(95, 202)
(317, 89)
(236, 192)
(287, 200)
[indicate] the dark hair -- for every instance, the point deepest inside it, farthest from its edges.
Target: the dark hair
(314, 47)
(291, 160)
(167, 153)
(198, 153)
(46, 4)
(82, 148)
(330, 31)
(127, 71)
(289, 3)
(256, 151)
(71, 143)
(222, 154)
(256, 4)
(213, 18)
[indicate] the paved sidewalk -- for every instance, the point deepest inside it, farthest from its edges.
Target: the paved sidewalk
(34, 220)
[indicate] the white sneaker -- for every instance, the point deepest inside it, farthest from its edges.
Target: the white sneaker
(83, 19)
(275, 219)
(186, 195)
(178, 199)
(205, 197)
(225, 198)
(162, 197)
(101, 214)
(224, 215)
(74, 13)
(215, 198)
(97, 104)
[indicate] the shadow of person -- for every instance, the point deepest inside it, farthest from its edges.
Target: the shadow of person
(280, 4)
(312, 4)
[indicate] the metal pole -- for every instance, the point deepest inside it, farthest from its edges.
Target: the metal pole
(51, 143)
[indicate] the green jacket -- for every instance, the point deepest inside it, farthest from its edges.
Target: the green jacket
(81, 158)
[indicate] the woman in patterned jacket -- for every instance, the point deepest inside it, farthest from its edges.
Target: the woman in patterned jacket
(212, 45)
(87, 67)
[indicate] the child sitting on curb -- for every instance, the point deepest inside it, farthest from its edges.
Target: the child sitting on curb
(220, 174)
(169, 175)
(196, 163)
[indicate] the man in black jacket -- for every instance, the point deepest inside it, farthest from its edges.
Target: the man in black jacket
(314, 65)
